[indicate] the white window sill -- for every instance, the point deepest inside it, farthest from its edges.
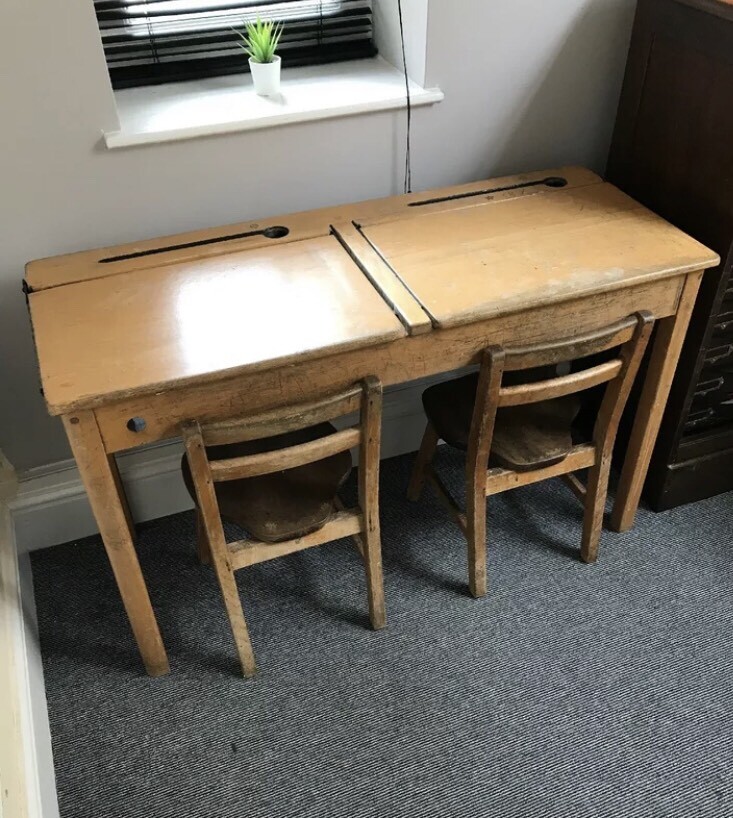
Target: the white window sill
(166, 113)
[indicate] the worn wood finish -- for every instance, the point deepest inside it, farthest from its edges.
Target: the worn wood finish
(286, 500)
(295, 485)
(565, 385)
(154, 329)
(530, 442)
(101, 482)
(197, 245)
(583, 241)
(119, 487)
(182, 323)
(254, 465)
(203, 549)
(281, 421)
(604, 436)
(245, 553)
(660, 373)
(534, 436)
(150, 340)
(477, 458)
(220, 555)
(581, 346)
(369, 457)
(581, 456)
(415, 320)
(402, 360)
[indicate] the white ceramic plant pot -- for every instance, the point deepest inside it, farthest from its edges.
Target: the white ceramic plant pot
(266, 77)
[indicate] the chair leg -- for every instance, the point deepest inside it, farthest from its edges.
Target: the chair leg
(369, 450)
(375, 580)
(371, 541)
(595, 506)
(235, 612)
(424, 457)
(202, 540)
(476, 535)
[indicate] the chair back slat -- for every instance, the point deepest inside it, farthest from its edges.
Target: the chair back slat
(562, 385)
(631, 334)
(282, 420)
(526, 426)
(570, 349)
(255, 465)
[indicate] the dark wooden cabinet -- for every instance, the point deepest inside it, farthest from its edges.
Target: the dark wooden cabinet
(673, 151)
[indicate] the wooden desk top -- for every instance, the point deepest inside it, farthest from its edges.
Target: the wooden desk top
(499, 257)
(138, 332)
(193, 309)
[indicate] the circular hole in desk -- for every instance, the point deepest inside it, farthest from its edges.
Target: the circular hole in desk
(556, 181)
(276, 232)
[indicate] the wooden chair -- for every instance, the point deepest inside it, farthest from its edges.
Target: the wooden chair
(526, 428)
(277, 475)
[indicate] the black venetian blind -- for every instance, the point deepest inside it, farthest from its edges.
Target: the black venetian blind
(153, 41)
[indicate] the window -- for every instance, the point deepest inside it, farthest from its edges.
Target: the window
(154, 41)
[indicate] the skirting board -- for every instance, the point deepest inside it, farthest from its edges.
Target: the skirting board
(51, 506)
(27, 786)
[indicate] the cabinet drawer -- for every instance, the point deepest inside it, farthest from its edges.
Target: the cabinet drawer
(715, 386)
(718, 354)
(708, 418)
(723, 323)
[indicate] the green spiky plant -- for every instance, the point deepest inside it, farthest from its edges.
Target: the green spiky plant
(260, 39)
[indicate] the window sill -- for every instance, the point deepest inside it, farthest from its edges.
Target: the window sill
(219, 105)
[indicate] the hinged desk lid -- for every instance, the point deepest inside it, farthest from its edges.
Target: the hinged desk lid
(472, 263)
(142, 331)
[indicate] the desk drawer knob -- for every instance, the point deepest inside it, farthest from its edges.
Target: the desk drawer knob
(136, 424)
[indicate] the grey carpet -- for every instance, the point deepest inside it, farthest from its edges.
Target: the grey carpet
(568, 691)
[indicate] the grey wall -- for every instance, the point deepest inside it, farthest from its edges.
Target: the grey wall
(528, 84)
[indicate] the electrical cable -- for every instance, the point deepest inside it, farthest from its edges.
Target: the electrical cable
(408, 145)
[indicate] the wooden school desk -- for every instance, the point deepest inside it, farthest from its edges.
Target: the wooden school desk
(133, 340)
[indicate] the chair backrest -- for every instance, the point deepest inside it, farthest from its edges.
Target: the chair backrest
(364, 397)
(631, 335)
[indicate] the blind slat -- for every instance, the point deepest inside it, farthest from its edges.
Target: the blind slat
(152, 41)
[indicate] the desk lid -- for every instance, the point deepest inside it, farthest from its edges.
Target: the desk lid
(504, 256)
(144, 331)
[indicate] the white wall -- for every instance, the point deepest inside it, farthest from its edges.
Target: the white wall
(528, 84)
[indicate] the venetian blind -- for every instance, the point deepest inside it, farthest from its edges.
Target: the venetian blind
(153, 41)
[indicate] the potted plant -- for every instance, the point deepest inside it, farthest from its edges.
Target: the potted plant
(260, 40)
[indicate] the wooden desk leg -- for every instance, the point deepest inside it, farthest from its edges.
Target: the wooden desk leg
(670, 336)
(112, 460)
(110, 510)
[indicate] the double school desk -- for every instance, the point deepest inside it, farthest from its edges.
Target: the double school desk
(134, 340)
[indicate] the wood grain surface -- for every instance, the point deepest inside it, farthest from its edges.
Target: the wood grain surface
(200, 321)
(468, 265)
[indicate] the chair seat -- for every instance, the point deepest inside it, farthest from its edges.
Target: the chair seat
(525, 437)
(284, 505)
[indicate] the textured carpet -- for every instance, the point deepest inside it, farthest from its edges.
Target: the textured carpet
(570, 690)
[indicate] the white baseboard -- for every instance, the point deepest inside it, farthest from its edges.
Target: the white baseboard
(51, 506)
(27, 783)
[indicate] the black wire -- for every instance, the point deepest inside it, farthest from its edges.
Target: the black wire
(408, 160)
